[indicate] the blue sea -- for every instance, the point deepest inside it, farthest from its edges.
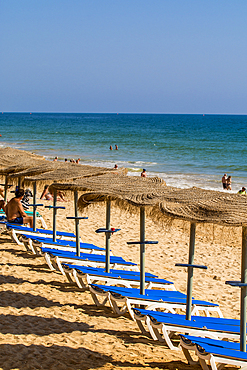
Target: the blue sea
(184, 150)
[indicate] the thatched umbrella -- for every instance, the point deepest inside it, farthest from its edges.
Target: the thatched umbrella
(194, 205)
(62, 171)
(14, 160)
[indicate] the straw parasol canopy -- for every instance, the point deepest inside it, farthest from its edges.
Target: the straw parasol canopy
(14, 160)
(66, 171)
(162, 202)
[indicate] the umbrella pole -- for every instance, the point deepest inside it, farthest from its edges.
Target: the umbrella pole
(19, 182)
(190, 270)
(34, 202)
(6, 188)
(142, 250)
(243, 290)
(54, 214)
(77, 230)
(107, 236)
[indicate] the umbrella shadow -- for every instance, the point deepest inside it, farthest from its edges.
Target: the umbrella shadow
(64, 357)
(19, 300)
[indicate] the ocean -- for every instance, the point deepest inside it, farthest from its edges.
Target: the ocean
(185, 150)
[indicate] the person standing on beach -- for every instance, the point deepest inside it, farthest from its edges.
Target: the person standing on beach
(143, 174)
(229, 183)
(15, 212)
(224, 184)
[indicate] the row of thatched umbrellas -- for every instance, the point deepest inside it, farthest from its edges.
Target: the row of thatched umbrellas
(145, 195)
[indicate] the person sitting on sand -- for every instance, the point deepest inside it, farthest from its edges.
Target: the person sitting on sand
(15, 212)
(55, 159)
(116, 167)
(229, 183)
(78, 160)
(46, 194)
(143, 174)
(242, 191)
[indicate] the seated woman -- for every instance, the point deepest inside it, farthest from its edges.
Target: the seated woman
(46, 194)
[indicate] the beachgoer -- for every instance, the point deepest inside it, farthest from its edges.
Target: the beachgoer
(2, 192)
(110, 147)
(116, 147)
(46, 194)
(15, 212)
(224, 178)
(2, 205)
(72, 160)
(242, 191)
(55, 159)
(25, 200)
(229, 183)
(66, 160)
(116, 166)
(78, 160)
(143, 174)
(61, 196)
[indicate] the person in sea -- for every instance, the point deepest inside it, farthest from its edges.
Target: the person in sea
(143, 174)
(110, 147)
(46, 194)
(229, 183)
(242, 191)
(223, 180)
(15, 212)
(116, 147)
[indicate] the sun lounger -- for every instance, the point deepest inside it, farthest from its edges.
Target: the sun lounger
(35, 243)
(55, 259)
(214, 351)
(124, 299)
(162, 326)
(84, 276)
(30, 213)
(15, 231)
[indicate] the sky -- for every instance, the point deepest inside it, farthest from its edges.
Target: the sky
(123, 56)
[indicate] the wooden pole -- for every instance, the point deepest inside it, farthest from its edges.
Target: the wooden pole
(54, 215)
(142, 250)
(34, 202)
(107, 236)
(77, 230)
(190, 270)
(243, 290)
(6, 188)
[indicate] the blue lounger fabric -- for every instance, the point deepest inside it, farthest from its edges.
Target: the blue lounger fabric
(128, 275)
(216, 347)
(69, 243)
(86, 256)
(197, 322)
(99, 270)
(41, 231)
(153, 295)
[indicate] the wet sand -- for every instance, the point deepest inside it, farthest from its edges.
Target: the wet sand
(47, 323)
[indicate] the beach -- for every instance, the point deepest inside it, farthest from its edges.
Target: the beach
(48, 323)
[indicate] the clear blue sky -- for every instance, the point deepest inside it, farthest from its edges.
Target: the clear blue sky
(157, 56)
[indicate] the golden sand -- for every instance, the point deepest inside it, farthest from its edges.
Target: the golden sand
(47, 323)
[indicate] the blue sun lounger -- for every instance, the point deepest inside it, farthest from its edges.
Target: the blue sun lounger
(123, 299)
(35, 243)
(18, 230)
(85, 276)
(214, 351)
(55, 258)
(30, 213)
(162, 326)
